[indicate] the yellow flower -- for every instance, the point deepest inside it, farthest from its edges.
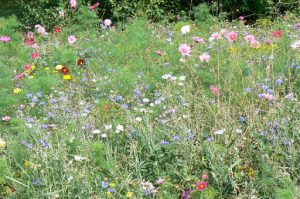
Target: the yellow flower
(129, 194)
(32, 67)
(46, 68)
(27, 72)
(17, 90)
(67, 77)
(109, 194)
(2, 143)
(112, 185)
(59, 67)
(55, 71)
(31, 77)
(26, 163)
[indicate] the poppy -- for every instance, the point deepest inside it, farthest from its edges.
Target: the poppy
(65, 70)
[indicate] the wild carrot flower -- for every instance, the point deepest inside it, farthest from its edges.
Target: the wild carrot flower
(72, 39)
(185, 29)
(232, 36)
(184, 49)
(204, 57)
(201, 186)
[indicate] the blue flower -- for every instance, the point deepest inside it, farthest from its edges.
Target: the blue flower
(248, 90)
(279, 81)
(242, 119)
(163, 142)
(104, 184)
(176, 138)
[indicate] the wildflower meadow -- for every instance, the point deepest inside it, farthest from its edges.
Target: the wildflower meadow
(93, 108)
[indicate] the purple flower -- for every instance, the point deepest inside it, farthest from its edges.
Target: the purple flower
(270, 91)
(210, 139)
(35, 99)
(242, 119)
(287, 142)
(111, 190)
(176, 138)
(290, 96)
(29, 95)
(37, 181)
(261, 95)
(125, 106)
(119, 98)
(41, 103)
(104, 184)
(185, 194)
(190, 136)
(44, 126)
(263, 132)
(248, 90)
(279, 81)
(50, 114)
(44, 143)
(163, 142)
(39, 94)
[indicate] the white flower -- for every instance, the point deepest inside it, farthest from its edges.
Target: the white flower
(173, 78)
(166, 76)
(219, 132)
(79, 158)
(185, 29)
(238, 130)
(146, 100)
(96, 131)
(107, 22)
(119, 128)
(296, 44)
(2, 143)
(138, 119)
(104, 135)
(108, 127)
(180, 84)
(181, 78)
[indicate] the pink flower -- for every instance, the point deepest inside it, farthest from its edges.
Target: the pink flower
(72, 39)
(20, 76)
(241, 18)
(232, 36)
(249, 39)
(30, 34)
(6, 119)
(26, 67)
(269, 96)
(92, 7)
(255, 44)
(201, 186)
(107, 22)
(184, 49)
(198, 40)
(35, 55)
(160, 181)
(61, 13)
(277, 34)
(216, 35)
(73, 3)
(160, 52)
(5, 39)
(214, 90)
(204, 176)
(205, 57)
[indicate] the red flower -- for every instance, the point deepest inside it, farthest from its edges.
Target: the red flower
(65, 70)
(80, 62)
(29, 41)
(201, 186)
(215, 90)
(35, 55)
(277, 34)
(57, 29)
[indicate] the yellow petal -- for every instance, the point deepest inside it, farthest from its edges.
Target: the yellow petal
(67, 77)
(17, 90)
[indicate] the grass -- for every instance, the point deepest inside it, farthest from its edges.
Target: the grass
(129, 117)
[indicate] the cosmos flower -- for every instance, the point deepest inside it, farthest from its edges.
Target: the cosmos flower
(205, 57)
(277, 34)
(72, 39)
(107, 22)
(232, 36)
(249, 39)
(201, 186)
(73, 3)
(5, 39)
(184, 49)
